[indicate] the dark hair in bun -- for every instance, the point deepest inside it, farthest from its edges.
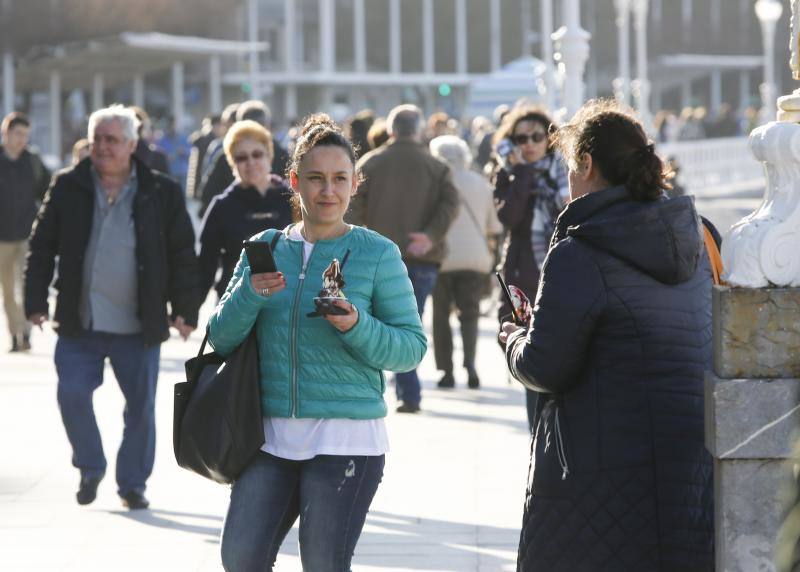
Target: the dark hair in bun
(618, 146)
(319, 130)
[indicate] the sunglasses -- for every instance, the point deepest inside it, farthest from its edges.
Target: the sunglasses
(537, 137)
(255, 155)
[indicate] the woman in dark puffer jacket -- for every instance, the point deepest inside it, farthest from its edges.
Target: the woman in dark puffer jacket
(617, 348)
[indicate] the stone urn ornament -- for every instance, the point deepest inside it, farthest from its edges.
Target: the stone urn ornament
(763, 249)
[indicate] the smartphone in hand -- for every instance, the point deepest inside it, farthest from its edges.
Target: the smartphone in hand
(259, 254)
(520, 309)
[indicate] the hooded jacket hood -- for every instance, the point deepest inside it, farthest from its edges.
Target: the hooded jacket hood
(661, 238)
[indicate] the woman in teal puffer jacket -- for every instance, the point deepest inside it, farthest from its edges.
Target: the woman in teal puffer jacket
(321, 377)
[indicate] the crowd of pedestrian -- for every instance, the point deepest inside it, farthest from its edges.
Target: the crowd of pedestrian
(608, 329)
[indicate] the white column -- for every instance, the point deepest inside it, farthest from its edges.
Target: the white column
(768, 13)
(252, 37)
(214, 84)
(716, 90)
(98, 92)
(289, 26)
(327, 36)
(290, 102)
(177, 95)
(55, 114)
(461, 36)
(622, 84)
(716, 18)
(642, 89)
(138, 90)
(572, 43)
(686, 18)
(744, 90)
(8, 83)
(546, 17)
(395, 63)
(360, 35)
(495, 36)
(428, 56)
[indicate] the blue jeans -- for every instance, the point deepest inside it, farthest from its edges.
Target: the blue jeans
(334, 492)
(79, 364)
(423, 279)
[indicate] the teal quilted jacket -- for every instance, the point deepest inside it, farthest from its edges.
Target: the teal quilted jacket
(308, 367)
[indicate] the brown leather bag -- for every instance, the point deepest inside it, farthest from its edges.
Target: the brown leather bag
(713, 255)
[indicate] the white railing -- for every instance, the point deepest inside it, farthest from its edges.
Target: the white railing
(715, 166)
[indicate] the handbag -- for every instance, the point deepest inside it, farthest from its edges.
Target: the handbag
(217, 425)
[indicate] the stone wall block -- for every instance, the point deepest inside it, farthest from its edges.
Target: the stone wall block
(756, 332)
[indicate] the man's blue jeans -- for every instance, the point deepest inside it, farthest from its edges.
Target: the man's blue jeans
(79, 363)
(423, 279)
(330, 493)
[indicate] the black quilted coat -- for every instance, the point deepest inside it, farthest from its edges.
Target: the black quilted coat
(620, 479)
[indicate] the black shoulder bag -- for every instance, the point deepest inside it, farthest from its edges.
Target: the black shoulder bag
(217, 426)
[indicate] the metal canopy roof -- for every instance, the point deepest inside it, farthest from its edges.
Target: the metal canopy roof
(119, 58)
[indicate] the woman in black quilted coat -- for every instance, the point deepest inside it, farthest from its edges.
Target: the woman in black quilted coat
(617, 348)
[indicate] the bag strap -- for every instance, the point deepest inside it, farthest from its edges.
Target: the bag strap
(713, 255)
(272, 244)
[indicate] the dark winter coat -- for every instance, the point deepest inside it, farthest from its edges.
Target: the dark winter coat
(618, 345)
(234, 216)
(167, 266)
(23, 183)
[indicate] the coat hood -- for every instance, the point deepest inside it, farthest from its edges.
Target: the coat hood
(661, 238)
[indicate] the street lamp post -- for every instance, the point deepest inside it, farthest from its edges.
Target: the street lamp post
(622, 84)
(768, 13)
(641, 88)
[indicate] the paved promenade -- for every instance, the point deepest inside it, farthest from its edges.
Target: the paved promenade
(451, 498)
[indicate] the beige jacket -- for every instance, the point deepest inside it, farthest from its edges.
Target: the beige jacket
(466, 241)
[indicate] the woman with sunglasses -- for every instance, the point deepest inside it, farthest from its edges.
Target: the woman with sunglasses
(530, 191)
(255, 201)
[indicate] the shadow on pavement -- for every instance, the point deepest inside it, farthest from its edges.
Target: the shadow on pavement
(516, 424)
(453, 541)
(160, 518)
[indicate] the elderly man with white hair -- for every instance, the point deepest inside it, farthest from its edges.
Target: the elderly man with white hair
(467, 264)
(127, 270)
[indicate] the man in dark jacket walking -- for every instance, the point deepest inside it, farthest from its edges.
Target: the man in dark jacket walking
(23, 182)
(125, 249)
(408, 196)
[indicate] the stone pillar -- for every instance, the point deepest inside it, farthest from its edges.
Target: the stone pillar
(360, 36)
(178, 104)
(753, 393)
(214, 84)
(8, 83)
(428, 54)
(252, 37)
(55, 114)
(395, 45)
(327, 36)
(461, 36)
(495, 36)
(752, 411)
(98, 91)
(138, 90)
(641, 88)
(289, 34)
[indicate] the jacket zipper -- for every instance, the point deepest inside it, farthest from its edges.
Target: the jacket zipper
(295, 315)
(562, 455)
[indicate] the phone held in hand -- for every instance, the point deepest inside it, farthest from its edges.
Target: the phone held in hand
(259, 254)
(517, 300)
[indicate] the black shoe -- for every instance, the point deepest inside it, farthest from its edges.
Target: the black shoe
(26, 343)
(14, 345)
(87, 491)
(447, 381)
(406, 407)
(134, 500)
(473, 381)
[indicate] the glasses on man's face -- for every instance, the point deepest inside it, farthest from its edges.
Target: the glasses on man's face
(256, 155)
(521, 139)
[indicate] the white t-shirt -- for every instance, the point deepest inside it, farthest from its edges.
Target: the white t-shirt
(301, 439)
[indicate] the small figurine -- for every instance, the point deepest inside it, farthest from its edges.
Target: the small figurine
(332, 284)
